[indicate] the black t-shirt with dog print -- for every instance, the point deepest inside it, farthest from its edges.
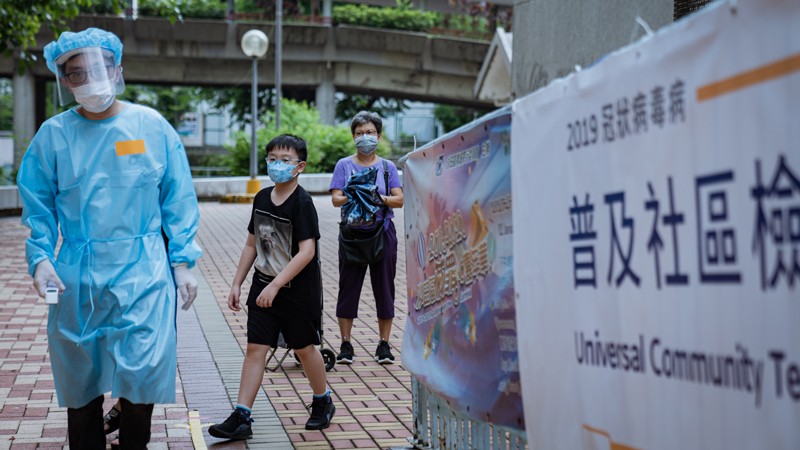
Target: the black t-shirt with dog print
(277, 230)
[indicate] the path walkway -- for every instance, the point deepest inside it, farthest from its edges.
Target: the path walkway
(373, 401)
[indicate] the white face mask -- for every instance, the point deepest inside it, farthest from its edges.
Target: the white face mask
(95, 97)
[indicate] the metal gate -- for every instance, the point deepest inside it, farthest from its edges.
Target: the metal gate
(437, 426)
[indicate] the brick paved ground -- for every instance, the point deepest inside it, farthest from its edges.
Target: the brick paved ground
(373, 401)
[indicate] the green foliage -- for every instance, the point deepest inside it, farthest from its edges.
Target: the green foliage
(326, 143)
(348, 106)
(238, 99)
(403, 17)
(6, 105)
(20, 20)
(178, 9)
(467, 26)
(171, 102)
(251, 6)
(475, 23)
(104, 7)
(452, 117)
(5, 177)
(51, 106)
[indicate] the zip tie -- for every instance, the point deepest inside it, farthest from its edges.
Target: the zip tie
(644, 25)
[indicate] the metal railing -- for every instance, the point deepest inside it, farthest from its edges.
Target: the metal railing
(209, 171)
(437, 426)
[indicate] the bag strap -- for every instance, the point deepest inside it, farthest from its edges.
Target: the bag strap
(386, 181)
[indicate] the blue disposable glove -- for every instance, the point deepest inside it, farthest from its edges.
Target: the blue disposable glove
(187, 285)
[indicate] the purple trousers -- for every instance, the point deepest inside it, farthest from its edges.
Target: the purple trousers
(381, 274)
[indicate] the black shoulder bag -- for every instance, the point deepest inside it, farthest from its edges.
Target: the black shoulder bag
(363, 247)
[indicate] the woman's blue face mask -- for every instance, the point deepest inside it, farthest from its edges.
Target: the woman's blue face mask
(366, 144)
(279, 171)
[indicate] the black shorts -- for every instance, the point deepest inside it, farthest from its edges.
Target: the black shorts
(264, 326)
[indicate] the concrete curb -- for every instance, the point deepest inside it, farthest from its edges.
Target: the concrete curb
(206, 188)
(227, 354)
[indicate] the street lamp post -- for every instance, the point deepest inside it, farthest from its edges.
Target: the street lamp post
(278, 60)
(254, 45)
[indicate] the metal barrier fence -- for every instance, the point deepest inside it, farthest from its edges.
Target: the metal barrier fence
(437, 426)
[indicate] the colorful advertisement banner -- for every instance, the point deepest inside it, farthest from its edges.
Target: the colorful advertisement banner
(658, 277)
(460, 338)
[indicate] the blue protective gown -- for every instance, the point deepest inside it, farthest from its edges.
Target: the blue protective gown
(111, 186)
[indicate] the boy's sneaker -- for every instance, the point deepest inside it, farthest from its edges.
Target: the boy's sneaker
(322, 411)
(237, 426)
(346, 354)
(383, 354)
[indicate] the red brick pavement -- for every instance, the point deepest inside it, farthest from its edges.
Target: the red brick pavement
(373, 401)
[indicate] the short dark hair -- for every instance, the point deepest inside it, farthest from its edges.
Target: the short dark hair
(290, 141)
(366, 117)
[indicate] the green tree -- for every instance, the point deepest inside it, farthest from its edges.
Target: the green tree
(178, 9)
(104, 7)
(6, 105)
(171, 101)
(452, 117)
(326, 143)
(401, 17)
(349, 105)
(20, 20)
(237, 101)
(7, 177)
(6, 120)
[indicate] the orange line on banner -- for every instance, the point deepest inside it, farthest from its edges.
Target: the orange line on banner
(749, 78)
(612, 444)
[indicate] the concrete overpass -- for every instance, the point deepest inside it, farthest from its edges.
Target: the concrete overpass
(325, 58)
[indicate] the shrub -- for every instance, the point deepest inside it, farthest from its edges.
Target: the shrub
(104, 7)
(326, 143)
(199, 9)
(400, 18)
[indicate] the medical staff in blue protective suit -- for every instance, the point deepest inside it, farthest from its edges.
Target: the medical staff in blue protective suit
(112, 175)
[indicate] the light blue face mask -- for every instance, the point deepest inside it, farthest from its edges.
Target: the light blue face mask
(279, 171)
(366, 144)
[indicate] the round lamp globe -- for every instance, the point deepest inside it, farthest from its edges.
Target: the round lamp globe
(254, 43)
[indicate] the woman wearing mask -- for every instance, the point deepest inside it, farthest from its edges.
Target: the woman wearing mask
(366, 128)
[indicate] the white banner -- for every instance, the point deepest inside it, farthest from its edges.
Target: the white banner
(657, 259)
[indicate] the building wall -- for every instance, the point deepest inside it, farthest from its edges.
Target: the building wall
(445, 6)
(551, 37)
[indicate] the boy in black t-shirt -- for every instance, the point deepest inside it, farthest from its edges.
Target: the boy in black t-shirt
(286, 288)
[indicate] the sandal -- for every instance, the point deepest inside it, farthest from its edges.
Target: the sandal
(111, 420)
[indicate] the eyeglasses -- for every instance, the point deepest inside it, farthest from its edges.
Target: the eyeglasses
(368, 133)
(97, 72)
(271, 160)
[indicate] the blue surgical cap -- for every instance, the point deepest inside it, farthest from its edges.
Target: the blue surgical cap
(68, 42)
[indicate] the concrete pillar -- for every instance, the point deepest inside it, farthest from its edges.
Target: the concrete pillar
(326, 99)
(327, 12)
(24, 113)
(132, 9)
(230, 14)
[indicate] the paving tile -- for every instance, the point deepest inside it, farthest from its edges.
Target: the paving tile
(373, 402)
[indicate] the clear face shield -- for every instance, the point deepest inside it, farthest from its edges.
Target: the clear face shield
(90, 77)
